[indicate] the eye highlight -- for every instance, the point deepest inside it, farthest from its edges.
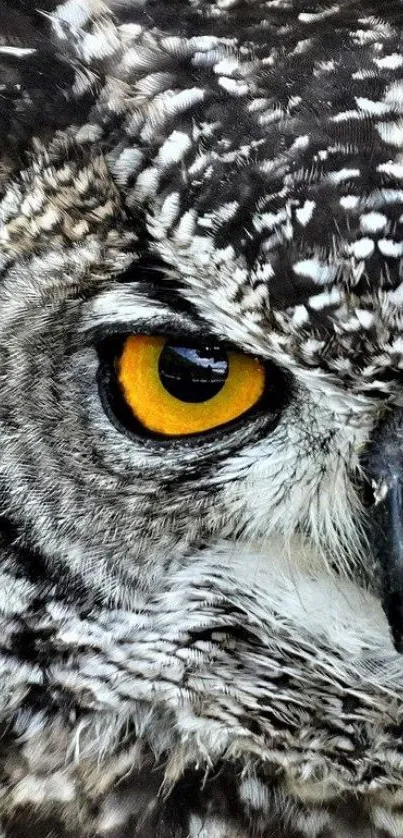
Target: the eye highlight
(174, 389)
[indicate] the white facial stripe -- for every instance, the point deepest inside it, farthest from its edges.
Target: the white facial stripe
(126, 305)
(16, 52)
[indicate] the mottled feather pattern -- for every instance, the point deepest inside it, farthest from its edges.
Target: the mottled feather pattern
(192, 643)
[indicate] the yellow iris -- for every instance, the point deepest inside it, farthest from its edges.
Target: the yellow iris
(141, 377)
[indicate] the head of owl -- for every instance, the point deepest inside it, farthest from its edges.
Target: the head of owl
(201, 368)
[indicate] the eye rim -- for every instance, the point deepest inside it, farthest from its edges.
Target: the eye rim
(122, 418)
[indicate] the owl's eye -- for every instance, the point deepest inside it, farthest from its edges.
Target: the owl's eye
(176, 389)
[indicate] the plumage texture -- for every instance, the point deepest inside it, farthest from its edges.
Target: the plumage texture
(192, 640)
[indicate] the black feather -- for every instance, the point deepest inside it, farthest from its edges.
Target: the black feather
(35, 87)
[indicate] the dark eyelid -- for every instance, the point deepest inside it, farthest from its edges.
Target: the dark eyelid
(121, 309)
(160, 326)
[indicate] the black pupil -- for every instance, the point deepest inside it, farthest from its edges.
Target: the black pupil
(193, 374)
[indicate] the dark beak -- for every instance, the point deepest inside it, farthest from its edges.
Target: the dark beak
(384, 469)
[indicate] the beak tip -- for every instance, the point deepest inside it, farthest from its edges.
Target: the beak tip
(394, 612)
(398, 642)
(383, 466)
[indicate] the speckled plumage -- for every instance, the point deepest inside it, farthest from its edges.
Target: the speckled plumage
(192, 641)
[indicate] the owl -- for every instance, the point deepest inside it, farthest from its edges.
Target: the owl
(201, 418)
